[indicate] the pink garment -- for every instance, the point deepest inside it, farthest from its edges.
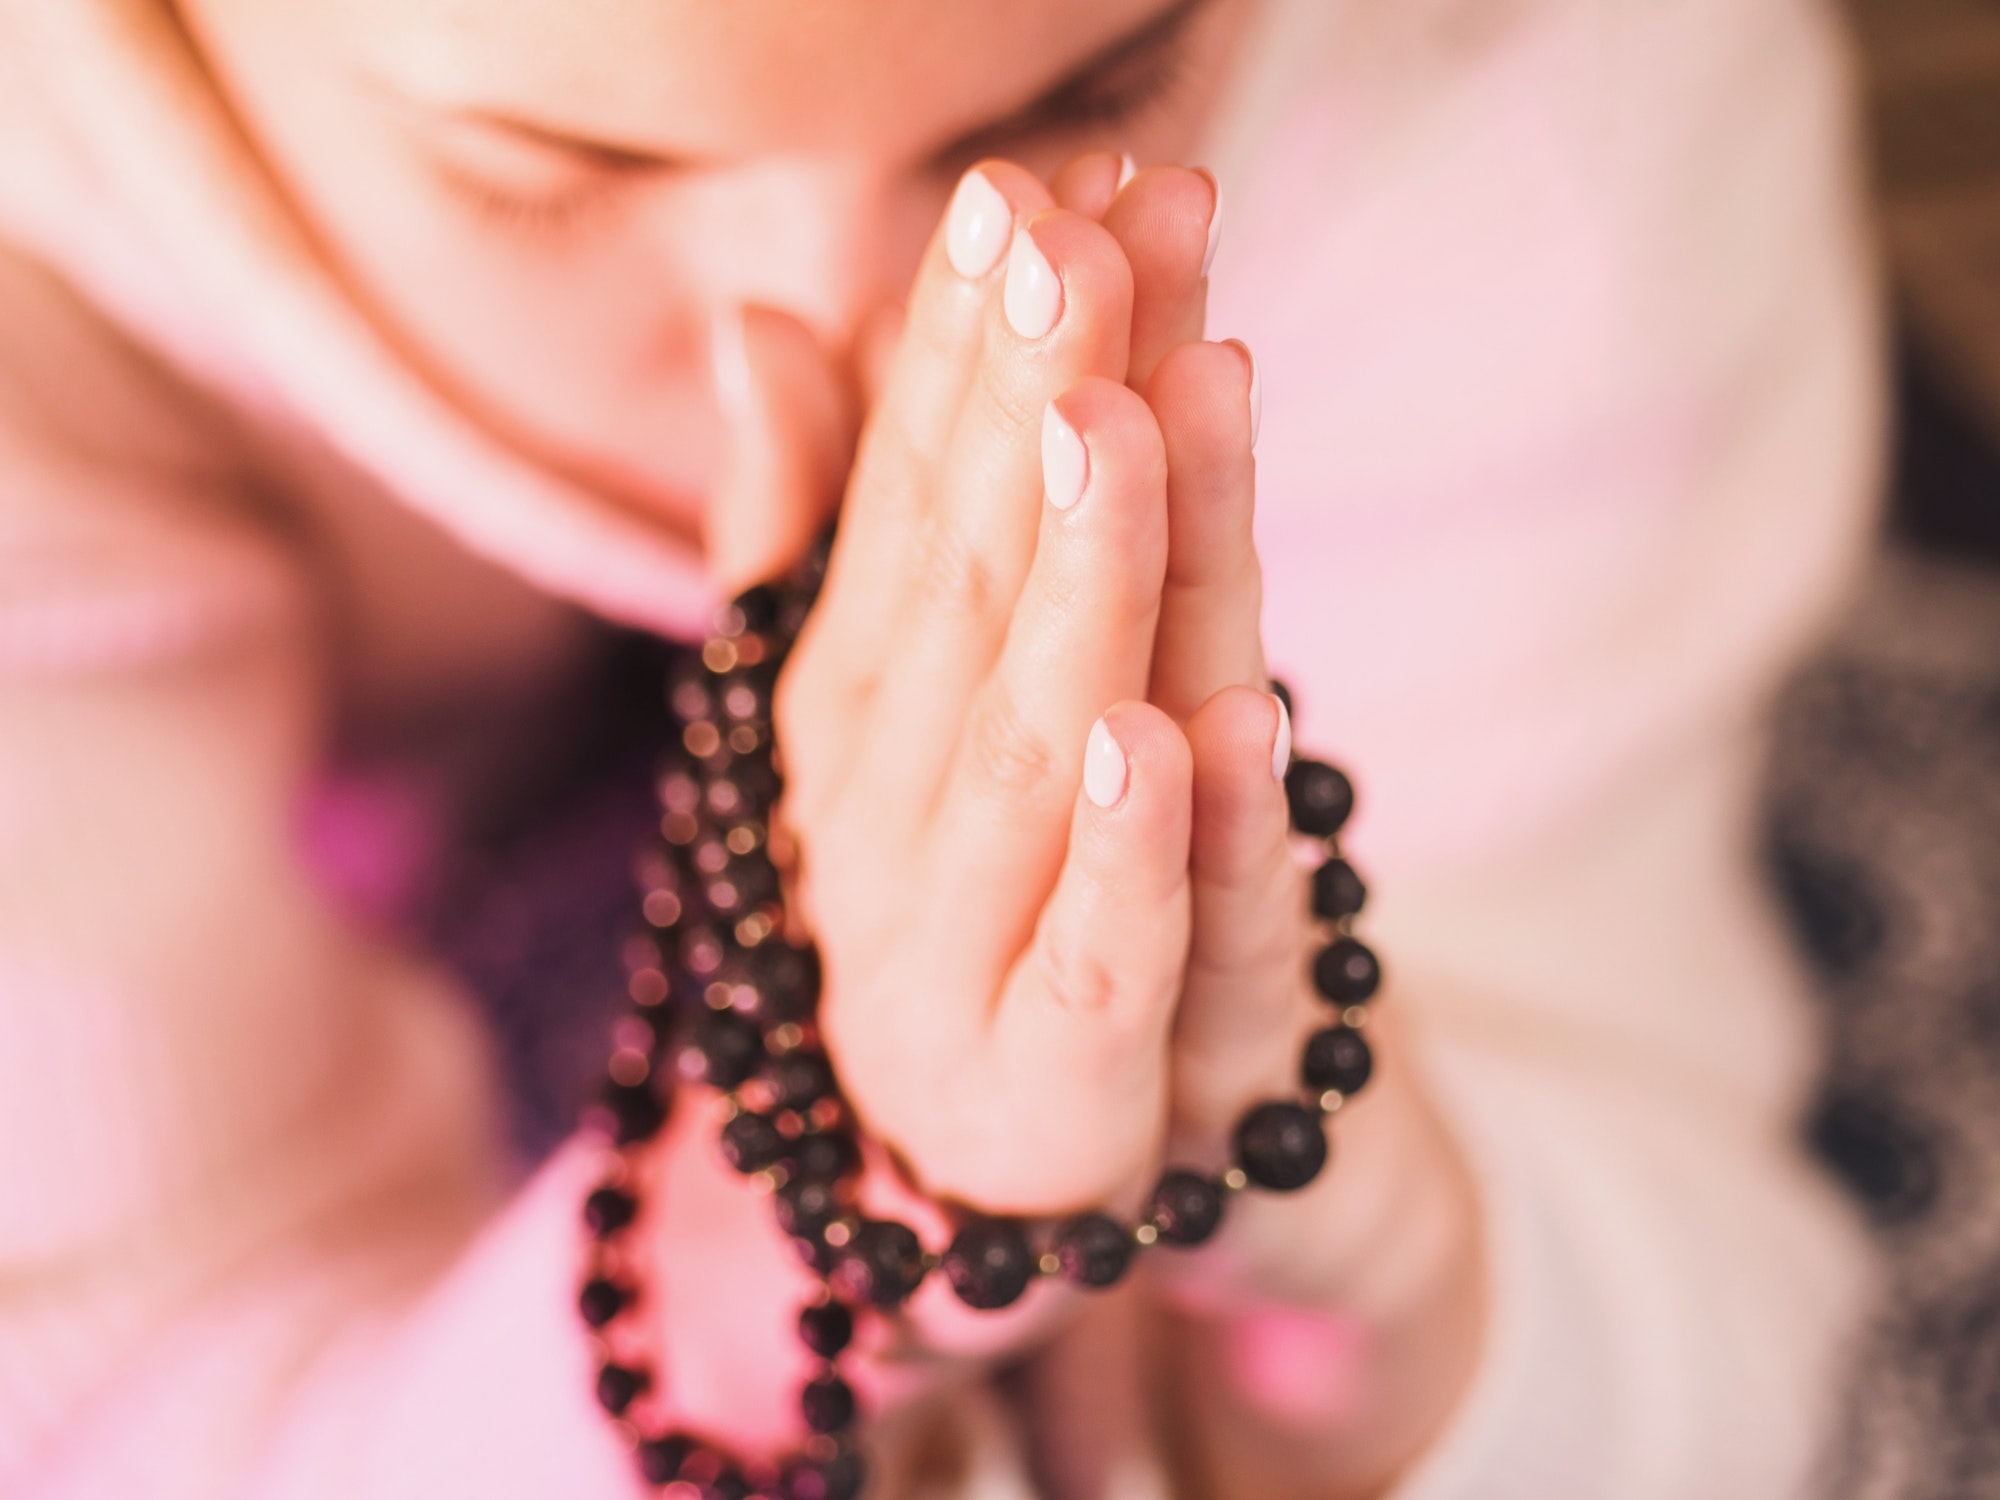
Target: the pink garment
(1571, 425)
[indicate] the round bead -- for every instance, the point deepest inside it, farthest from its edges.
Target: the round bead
(826, 1328)
(787, 977)
(838, 1478)
(1337, 891)
(1346, 972)
(600, 1301)
(726, 1049)
(800, 1079)
(618, 1386)
(756, 608)
(1094, 1250)
(609, 1210)
(989, 1263)
(825, 1156)
(636, 1112)
(751, 1142)
(1320, 798)
(1337, 1058)
(828, 1403)
(660, 1458)
(883, 1264)
(1281, 1145)
(1186, 1208)
(805, 1208)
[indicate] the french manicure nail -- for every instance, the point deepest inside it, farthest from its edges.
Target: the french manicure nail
(1104, 767)
(1065, 460)
(729, 358)
(1034, 297)
(976, 227)
(1127, 170)
(1281, 744)
(1214, 227)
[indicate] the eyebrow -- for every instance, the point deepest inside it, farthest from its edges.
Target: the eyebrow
(1056, 104)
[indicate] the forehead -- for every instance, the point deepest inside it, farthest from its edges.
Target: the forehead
(728, 76)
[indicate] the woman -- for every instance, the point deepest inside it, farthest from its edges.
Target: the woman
(349, 346)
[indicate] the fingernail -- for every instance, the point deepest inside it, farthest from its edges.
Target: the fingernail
(1281, 746)
(1214, 225)
(1033, 298)
(1256, 399)
(1127, 170)
(976, 228)
(729, 358)
(1103, 767)
(1065, 460)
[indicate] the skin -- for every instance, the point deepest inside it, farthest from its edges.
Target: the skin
(1033, 1000)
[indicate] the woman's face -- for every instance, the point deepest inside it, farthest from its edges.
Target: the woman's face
(546, 201)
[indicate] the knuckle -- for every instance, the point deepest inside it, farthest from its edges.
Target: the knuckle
(1079, 979)
(1006, 754)
(953, 577)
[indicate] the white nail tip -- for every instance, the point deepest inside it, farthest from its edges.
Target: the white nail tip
(1214, 231)
(1256, 399)
(1104, 768)
(1065, 460)
(1127, 170)
(977, 227)
(1033, 297)
(1281, 744)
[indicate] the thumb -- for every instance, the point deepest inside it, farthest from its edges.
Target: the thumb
(789, 435)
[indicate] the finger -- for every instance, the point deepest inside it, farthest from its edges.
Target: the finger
(1090, 1007)
(1089, 182)
(1245, 971)
(1205, 397)
(1063, 316)
(1167, 219)
(909, 427)
(1080, 640)
(790, 431)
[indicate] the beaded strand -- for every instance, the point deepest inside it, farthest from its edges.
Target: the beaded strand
(720, 997)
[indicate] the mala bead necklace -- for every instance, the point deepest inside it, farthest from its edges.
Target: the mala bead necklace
(721, 998)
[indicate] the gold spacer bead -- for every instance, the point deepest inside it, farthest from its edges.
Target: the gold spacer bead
(1330, 1101)
(1235, 1180)
(1050, 1264)
(1354, 1017)
(1145, 1234)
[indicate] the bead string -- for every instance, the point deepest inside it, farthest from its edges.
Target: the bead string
(721, 997)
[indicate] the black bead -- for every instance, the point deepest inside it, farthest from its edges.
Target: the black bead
(727, 1047)
(828, 1403)
(758, 606)
(600, 1301)
(608, 1210)
(1346, 972)
(989, 1263)
(838, 1478)
(1281, 1146)
(788, 978)
(824, 1156)
(1186, 1208)
(1337, 891)
(1282, 693)
(751, 1142)
(660, 1458)
(636, 1111)
(1337, 1058)
(800, 1079)
(883, 1264)
(1320, 798)
(1094, 1250)
(618, 1386)
(826, 1329)
(805, 1208)
(728, 1484)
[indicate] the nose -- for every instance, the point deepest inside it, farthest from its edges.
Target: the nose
(827, 241)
